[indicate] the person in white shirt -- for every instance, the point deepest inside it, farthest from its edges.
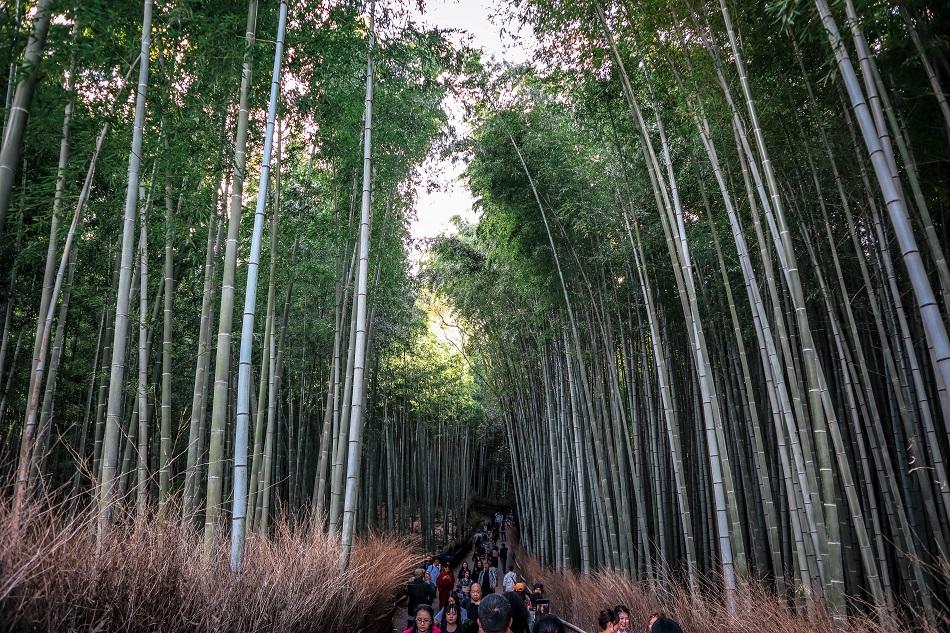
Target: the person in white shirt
(510, 579)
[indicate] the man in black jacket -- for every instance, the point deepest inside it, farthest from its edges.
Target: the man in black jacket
(418, 592)
(486, 578)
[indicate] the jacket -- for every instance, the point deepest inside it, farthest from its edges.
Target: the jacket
(419, 592)
(492, 578)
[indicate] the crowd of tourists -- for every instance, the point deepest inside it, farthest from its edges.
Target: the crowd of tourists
(468, 602)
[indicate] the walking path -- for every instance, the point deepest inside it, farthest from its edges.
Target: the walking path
(401, 619)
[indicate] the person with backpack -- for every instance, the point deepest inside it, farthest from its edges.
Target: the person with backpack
(508, 582)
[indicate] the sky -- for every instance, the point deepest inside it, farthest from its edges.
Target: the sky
(450, 196)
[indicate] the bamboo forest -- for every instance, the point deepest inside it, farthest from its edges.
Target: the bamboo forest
(308, 304)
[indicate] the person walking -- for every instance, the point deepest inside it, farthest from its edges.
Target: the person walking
(520, 617)
(464, 585)
(434, 569)
(475, 598)
(521, 590)
(418, 592)
(453, 602)
(445, 583)
(451, 619)
(487, 578)
(537, 593)
(424, 621)
(494, 614)
(508, 582)
(503, 555)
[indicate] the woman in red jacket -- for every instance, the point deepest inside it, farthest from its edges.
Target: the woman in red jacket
(445, 583)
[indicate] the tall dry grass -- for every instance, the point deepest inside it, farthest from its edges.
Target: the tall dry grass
(151, 578)
(578, 599)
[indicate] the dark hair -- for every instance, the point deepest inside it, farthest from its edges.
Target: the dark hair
(621, 609)
(466, 571)
(665, 625)
(445, 611)
(494, 613)
(419, 609)
(548, 624)
(519, 612)
(606, 617)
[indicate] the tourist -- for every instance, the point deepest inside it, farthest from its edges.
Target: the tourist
(607, 619)
(452, 600)
(522, 590)
(508, 582)
(445, 583)
(464, 585)
(537, 592)
(434, 569)
(656, 615)
(424, 621)
(548, 624)
(474, 599)
(503, 555)
(470, 625)
(418, 592)
(623, 619)
(665, 625)
(487, 578)
(494, 614)
(451, 618)
(520, 618)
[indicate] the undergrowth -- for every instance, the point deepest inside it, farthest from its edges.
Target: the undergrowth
(578, 599)
(151, 578)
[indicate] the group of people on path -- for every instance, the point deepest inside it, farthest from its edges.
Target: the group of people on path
(468, 603)
(492, 613)
(507, 613)
(460, 597)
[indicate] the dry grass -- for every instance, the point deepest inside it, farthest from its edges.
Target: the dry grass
(578, 599)
(152, 579)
